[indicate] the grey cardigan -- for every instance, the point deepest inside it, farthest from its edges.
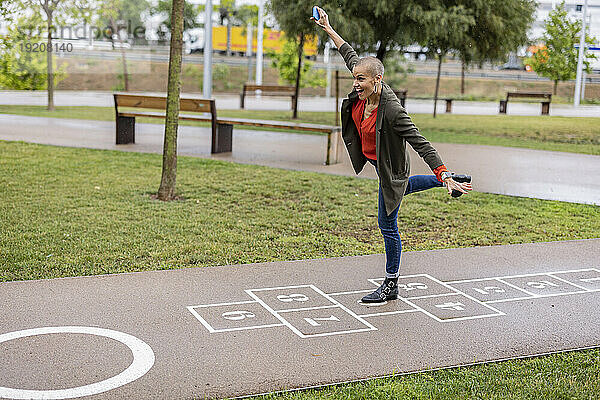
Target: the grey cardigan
(394, 129)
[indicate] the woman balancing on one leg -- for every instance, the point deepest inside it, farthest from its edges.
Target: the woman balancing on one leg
(375, 128)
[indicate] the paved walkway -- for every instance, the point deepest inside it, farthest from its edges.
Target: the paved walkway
(517, 172)
(247, 329)
(232, 102)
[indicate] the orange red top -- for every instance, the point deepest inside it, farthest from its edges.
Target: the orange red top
(366, 128)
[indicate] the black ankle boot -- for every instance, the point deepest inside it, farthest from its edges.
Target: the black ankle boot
(387, 291)
(462, 179)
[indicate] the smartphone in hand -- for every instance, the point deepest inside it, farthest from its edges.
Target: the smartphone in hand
(316, 15)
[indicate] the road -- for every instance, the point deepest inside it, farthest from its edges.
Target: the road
(232, 102)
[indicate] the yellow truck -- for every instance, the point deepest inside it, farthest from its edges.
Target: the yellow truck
(273, 41)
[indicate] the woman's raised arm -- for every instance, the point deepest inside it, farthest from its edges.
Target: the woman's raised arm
(347, 52)
(323, 22)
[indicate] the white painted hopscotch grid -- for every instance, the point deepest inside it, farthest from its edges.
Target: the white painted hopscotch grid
(531, 286)
(318, 320)
(234, 316)
(309, 312)
(439, 300)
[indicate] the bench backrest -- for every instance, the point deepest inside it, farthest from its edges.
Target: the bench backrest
(270, 88)
(536, 95)
(160, 103)
(400, 93)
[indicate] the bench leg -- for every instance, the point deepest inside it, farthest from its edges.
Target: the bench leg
(242, 97)
(334, 142)
(503, 106)
(545, 108)
(449, 106)
(293, 102)
(222, 139)
(125, 130)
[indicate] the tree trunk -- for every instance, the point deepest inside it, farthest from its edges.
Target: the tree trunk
(298, 72)
(125, 72)
(166, 190)
(462, 79)
(116, 30)
(555, 87)
(49, 66)
(437, 85)
(381, 50)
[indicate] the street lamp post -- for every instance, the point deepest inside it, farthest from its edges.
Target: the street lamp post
(259, 44)
(207, 81)
(580, 59)
(249, 38)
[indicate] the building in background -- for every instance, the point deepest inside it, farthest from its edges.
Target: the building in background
(575, 9)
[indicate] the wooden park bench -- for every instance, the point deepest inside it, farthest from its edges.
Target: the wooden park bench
(268, 90)
(447, 100)
(222, 128)
(546, 99)
(125, 120)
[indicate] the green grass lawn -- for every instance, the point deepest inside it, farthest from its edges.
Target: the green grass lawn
(71, 212)
(565, 376)
(576, 135)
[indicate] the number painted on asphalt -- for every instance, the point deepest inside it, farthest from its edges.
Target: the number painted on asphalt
(489, 289)
(292, 297)
(451, 306)
(541, 284)
(313, 321)
(412, 286)
(590, 279)
(237, 315)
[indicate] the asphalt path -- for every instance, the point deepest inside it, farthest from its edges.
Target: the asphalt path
(232, 102)
(511, 171)
(248, 329)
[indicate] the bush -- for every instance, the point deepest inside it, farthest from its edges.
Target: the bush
(21, 69)
(221, 73)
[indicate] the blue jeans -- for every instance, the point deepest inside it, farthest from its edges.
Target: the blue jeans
(388, 224)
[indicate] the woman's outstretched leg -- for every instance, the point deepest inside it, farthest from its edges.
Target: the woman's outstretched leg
(418, 183)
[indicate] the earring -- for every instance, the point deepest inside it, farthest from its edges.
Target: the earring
(375, 90)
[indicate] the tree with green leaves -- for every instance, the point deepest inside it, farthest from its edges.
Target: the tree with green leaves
(286, 63)
(557, 59)
(500, 27)
(112, 11)
(7, 7)
(227, 11)
(164, 8)
(396, 69)
(376, 25)
(446, 26)
(120, 16)
(51, 10)
(20, 68)
(293, 16)
(166, 191)
(247, 14)
(476, 30)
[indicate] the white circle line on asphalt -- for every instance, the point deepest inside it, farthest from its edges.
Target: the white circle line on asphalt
(143, 360)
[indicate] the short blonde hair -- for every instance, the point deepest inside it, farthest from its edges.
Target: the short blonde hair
(373, 65)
